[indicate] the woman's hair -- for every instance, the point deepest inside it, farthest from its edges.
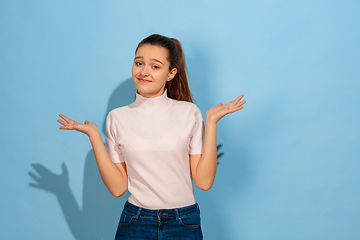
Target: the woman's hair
(178, 87)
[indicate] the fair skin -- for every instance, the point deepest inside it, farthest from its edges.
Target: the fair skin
(150, 73)
(150, 70)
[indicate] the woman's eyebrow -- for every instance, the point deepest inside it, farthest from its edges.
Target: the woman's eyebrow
(152, 59)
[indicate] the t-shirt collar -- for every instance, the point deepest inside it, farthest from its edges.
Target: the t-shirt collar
(151, 105)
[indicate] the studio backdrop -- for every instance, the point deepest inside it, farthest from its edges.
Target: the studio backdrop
(288, 162)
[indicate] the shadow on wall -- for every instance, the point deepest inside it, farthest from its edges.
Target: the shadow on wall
(99, 215)
(100, 212)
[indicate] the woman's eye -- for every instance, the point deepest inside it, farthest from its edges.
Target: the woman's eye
(138, 63)
(155, 67)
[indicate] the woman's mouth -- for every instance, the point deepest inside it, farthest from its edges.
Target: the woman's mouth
(144, 81)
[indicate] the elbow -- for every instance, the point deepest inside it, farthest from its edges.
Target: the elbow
(118, 192)
(204, 186)
(117, 189)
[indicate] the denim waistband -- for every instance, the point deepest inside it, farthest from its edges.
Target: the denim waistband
(177, 212)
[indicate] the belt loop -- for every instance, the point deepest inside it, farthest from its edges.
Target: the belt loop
(177, 217)
(138, 213)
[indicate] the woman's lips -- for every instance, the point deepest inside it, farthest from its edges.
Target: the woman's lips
(144, 81)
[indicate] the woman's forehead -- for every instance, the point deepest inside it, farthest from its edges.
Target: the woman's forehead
(147, 52)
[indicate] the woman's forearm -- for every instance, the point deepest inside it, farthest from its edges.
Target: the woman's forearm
(207, 165)
(114, 178)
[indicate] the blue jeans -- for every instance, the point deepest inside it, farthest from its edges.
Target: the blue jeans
(170, 224)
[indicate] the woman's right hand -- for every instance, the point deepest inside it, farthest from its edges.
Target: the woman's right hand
(87, 127)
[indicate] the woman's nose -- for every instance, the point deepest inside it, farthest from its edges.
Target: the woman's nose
(144, 71)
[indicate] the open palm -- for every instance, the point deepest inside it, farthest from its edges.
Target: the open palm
(69, 124)
(217, 112)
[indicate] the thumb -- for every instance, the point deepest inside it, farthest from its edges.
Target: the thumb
(65, 171)
(86, 122)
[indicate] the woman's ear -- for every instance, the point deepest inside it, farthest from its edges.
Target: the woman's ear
(172, 74)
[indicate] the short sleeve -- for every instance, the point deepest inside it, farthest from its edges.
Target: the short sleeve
(110, 141)
(197, 133)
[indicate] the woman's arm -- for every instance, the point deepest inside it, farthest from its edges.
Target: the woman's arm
(113, 175)
(204, 166)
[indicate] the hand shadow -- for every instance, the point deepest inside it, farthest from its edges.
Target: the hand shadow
(98, 217)
(49, 181)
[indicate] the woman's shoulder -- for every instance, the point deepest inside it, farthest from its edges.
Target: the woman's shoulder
(119, 110)
(184, 105)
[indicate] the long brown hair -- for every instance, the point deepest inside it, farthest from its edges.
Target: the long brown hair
(178, 87)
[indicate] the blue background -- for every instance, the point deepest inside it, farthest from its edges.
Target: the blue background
(291, 156)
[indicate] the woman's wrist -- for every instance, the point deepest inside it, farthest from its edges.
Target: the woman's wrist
(93, 134)
(210, 121)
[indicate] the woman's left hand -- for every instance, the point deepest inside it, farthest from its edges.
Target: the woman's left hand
(217, 112)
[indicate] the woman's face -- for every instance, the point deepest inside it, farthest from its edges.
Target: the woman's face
(150, 70)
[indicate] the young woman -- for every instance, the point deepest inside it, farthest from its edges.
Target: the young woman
(158, 145)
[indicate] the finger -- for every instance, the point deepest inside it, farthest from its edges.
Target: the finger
(235, 109)
(41, 169)
(34, 176)
(241, 103)
(66, 118)
(62, 122)
(237, 104)
(238, 98)
(70, 127)
(235, 101)
(35, 185)
(66, 128)
(64, 169)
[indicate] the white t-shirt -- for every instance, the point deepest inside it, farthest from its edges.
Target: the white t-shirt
(154, 137)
